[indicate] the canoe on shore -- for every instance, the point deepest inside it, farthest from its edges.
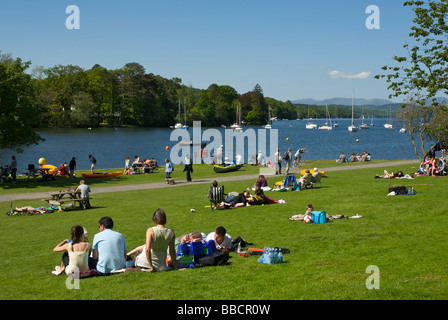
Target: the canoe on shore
(227, 168)
(101, 175)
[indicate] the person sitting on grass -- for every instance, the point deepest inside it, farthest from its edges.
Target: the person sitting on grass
(223, 241)
(76, 252)
(109, 248)
(261, 182)
(159, 240)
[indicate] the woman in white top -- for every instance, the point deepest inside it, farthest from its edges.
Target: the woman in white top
(78, 251)
(159, 240)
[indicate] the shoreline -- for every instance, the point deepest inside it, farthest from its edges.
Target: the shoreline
(180, 183)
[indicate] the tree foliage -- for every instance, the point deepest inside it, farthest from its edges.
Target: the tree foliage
(71, 96)
(18, 110)
(422, 74)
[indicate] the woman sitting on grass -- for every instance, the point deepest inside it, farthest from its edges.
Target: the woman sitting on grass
(77, 252)
(152, 256)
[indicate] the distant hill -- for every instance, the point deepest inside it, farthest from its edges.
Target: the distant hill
(344, 102)
(358, 102)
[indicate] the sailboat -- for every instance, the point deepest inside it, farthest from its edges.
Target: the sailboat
(371, 121)
(178, 125)
(336, 124)
(269, 125)
(236, 125)
(388, 125)
(363, 125)
(353, 128)
(326, 126)
(185, 126)
(310, 125)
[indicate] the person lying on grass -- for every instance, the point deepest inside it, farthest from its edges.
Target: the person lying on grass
(392, 175)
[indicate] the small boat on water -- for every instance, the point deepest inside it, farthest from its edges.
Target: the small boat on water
(352, 127)
(226, 168)
(326, 126)
(101, 175)
(269, 125)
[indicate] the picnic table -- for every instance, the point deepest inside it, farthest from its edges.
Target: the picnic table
(70, 196)
(36, 172)
(142, 166)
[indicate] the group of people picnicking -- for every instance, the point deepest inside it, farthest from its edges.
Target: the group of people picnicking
(138, 163)
(108, 253)
(354, 157)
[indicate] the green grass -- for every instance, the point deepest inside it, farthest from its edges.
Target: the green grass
(405, 236)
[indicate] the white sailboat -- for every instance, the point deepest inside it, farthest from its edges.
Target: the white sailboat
(178, 125)
(326, 126)
(371, 121)
(336, 124)
(236, 125)
(363, 125)
(388, 125)
(269, 125)
(309, 124)
(353, 128)
(185, 126)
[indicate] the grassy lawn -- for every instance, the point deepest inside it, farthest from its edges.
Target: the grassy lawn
(404, 236)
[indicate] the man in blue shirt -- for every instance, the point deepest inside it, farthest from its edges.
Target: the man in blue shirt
(109, 248)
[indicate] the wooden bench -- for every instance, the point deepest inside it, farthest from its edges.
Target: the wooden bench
(60, 202)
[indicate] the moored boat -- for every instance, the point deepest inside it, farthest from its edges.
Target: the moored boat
(226, 168)
(101, 175)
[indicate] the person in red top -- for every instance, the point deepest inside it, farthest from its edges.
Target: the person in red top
(63, 169)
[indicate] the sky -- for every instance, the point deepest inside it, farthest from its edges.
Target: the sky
(294, 49)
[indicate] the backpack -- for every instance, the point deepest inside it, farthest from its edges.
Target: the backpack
(217, 258)
(189, 253)
(286, 156)
(398, 189)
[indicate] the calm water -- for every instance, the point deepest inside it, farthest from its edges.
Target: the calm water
(110, 146)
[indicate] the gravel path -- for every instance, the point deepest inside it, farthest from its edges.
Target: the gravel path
(180, 183)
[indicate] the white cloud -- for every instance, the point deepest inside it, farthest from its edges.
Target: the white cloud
(335, 74)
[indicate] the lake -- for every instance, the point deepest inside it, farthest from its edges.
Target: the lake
(110, 146)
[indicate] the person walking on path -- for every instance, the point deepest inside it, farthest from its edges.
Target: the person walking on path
(288, 158)
(278, 162)
(188, 168)
(168, 169)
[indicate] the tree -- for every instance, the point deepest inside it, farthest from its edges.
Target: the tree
(18, 113)
(422, 73)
